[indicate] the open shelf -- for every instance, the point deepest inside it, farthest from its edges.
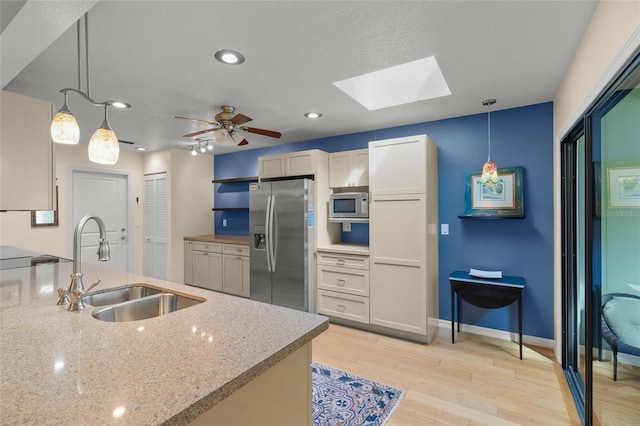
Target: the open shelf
(234, 180)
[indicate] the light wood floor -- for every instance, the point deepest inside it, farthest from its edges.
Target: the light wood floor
(477, 380)
(616, 403)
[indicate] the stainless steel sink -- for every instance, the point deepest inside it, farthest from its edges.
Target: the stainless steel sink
(119, 295)
(145, 307)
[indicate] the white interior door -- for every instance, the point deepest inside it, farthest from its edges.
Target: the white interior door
(155, 225)
(106, 195)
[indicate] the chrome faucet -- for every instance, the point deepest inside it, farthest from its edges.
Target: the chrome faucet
(76, 289)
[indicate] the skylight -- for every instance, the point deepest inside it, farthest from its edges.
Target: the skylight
(411, 82)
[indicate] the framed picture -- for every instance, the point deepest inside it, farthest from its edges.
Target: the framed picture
(502, 199)
(624, 187)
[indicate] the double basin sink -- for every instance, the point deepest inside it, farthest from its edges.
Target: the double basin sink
(136, 302)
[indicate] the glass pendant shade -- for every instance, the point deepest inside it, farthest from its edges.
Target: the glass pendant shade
(103, 146)
(64, 127)
(489, 173)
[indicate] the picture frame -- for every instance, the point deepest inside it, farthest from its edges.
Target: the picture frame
(494, 201)
(623, 186)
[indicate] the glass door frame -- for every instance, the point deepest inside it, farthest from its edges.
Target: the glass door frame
(568, 154)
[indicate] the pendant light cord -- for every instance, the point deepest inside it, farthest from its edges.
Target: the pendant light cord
(489, 134)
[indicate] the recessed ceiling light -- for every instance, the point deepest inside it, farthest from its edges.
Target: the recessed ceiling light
(119, 104)
(228, 56)
(140, 148)
(411, 82)
(313, 115)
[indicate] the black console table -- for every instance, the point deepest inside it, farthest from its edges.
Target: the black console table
(485, 293)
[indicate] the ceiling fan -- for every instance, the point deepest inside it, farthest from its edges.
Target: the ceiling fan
(229, 124)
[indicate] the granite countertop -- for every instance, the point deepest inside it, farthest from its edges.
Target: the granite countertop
(61, 367)
(345, 249)
(217, 238)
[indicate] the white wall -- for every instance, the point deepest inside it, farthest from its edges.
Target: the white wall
(190, 200)
(610, 38)
(15, 227)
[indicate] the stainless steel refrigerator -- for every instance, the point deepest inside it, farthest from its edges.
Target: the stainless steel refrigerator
(281, 228)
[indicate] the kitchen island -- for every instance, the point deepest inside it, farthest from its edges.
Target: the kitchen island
(198, 364)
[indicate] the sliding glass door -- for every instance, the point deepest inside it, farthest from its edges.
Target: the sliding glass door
(601, 255)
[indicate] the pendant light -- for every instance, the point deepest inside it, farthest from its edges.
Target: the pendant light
(489, 169)
(64, 127)
(104, 146)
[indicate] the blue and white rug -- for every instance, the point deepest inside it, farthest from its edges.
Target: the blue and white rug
(343, 399)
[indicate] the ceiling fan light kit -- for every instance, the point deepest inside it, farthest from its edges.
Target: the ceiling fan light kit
(228, 128)
(103, 146)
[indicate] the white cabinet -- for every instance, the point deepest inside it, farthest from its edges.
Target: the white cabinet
(235, 266)
(300, 163)
(27, 172)
(217, 266)
(398, 166)
(207, 265)
(349, 168)
(343, 286)
(403, 221)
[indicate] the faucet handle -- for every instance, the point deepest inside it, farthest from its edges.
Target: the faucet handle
(63, 298)
(93, 284)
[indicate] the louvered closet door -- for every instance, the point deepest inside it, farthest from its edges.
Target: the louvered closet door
(155, 226)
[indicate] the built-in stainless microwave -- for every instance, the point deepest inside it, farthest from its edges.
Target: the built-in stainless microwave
(349, 207)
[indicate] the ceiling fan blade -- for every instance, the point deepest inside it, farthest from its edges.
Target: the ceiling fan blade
(244, 142)
(195, 120)
(240, 119)
(201, 132)
(262, 132)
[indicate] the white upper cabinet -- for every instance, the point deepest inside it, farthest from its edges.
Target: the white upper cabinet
(349, 168)
(302, 163)
(399, 166)
(27, 173)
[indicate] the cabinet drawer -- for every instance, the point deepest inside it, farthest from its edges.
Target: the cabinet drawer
(235, 249)
(201, 246)
(344, 280)
(346, 306)
(343, 260)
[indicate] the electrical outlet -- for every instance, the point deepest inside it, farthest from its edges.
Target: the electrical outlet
(346, 227)
(444, 229)
(224, 222)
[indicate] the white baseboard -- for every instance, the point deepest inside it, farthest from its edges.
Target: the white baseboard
(500, 334)
(622, 358)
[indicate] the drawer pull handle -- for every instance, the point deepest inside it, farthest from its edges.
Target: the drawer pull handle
(341, 282)
(340, 262)
(341, 308)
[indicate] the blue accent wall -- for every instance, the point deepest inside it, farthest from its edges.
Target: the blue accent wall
(522, 247)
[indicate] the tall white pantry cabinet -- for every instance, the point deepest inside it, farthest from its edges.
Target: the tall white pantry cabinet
(403, 181)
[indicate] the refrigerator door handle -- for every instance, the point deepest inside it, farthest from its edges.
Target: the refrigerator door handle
(267, 233)
(274, 232)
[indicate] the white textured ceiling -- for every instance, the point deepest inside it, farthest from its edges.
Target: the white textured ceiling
(158, 56)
